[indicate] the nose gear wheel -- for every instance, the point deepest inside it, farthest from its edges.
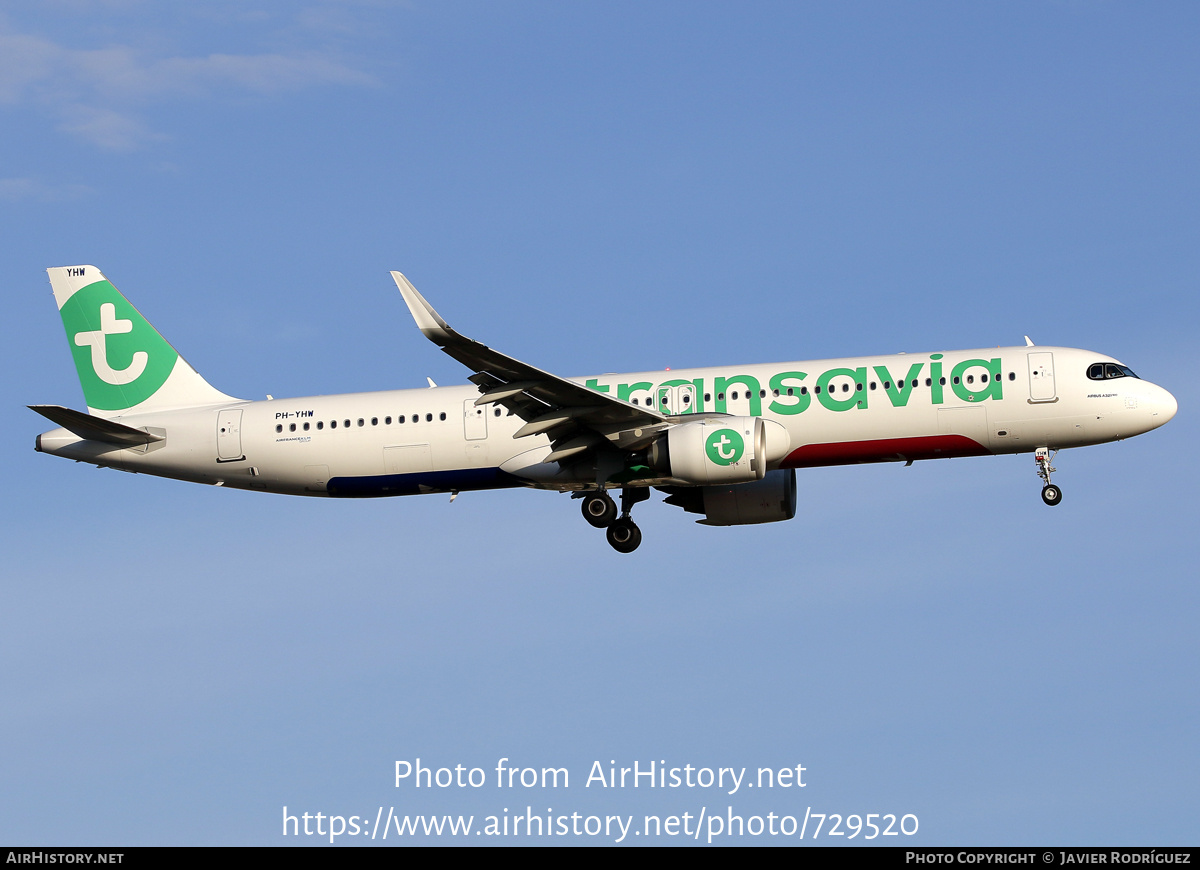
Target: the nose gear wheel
(1051, 495)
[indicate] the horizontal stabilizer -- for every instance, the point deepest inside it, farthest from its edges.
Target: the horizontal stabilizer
(95, 428)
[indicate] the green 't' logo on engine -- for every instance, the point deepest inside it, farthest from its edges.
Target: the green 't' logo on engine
(724, 447)
(121, 359)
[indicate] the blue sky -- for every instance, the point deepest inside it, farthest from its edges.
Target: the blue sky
(603, 187)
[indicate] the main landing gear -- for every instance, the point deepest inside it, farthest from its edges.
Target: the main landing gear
(1051, 494)
(601, 511)
(623, 535)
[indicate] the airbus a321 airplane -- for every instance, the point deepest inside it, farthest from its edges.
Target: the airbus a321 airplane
(721, 442)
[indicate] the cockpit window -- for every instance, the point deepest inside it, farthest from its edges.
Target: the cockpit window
(1107, 371)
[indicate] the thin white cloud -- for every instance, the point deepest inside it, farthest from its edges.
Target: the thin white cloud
(24, 62)
(98, 94)
(31, 189)
(262, 74)
(116, 131)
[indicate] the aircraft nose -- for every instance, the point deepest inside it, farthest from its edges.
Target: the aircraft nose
(1163, 406)
(1169, 406)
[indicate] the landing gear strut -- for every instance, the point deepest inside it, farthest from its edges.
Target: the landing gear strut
(1051, 494)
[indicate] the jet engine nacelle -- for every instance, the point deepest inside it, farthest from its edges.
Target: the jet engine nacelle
(769, 500)
(720, 450)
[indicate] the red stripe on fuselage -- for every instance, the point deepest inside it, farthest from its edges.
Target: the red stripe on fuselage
(884, 450)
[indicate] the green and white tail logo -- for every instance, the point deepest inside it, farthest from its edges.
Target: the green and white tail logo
(121, 359)
(724, 447)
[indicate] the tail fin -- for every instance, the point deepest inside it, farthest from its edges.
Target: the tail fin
(124, 365)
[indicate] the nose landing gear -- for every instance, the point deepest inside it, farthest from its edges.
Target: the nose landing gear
(1051, 494)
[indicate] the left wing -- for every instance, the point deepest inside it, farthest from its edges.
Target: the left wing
(576, 418)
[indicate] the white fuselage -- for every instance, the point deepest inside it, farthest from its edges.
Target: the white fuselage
(841, 411)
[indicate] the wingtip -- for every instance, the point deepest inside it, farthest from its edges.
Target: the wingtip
(428, 320)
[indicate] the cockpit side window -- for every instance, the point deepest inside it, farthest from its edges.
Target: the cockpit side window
(1107, 371)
